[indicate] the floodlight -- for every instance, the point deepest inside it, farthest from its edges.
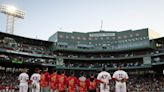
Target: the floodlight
(12, 12)
(11, 9)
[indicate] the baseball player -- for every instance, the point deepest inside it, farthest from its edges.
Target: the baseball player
(23, 81)
(44, 82)
(35, 78)
(82, 83)
(104, 77)
(120, 77)
(92, 83)
(62, 81)
(72, 82)
(53, 81)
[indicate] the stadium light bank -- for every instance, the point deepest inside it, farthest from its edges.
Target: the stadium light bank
(12, 13)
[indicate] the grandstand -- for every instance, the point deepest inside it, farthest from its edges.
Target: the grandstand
(141, 57)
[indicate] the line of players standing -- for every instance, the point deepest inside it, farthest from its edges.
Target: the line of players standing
(45, 82)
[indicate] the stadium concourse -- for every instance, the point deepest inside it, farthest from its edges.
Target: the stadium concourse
(142, 58)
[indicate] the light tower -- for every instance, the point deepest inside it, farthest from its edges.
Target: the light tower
(12, 13)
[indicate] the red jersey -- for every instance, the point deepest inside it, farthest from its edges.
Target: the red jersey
(82, 84)
(53, 81)
(92, 84)
(62, 80)
(45, 77)
(72, 81)
(1, 87)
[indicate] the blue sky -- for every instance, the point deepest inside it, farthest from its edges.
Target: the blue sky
(45, 17)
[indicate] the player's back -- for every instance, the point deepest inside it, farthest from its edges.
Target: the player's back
(82, 84)
(23, 77)
(54, 77)
(120, 74)
(72, 80)
(104, 76)
(62, 79)
(35, 77)
(45, 77)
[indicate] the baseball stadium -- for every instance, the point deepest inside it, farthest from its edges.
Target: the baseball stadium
(112, 58)
(139, 52)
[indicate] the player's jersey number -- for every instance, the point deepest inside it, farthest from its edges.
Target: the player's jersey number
(120, 76)
(104, 76)
(35, 78)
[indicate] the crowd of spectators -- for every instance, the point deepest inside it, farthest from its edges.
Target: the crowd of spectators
(21, 59)
(32, 60)
(10, 44)
(8, 79)
(100, 65)
(158, 59)
(146, 83)
(105, 55)
(111, 55)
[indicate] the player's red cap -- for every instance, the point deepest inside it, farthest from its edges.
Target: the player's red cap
(36, 69)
